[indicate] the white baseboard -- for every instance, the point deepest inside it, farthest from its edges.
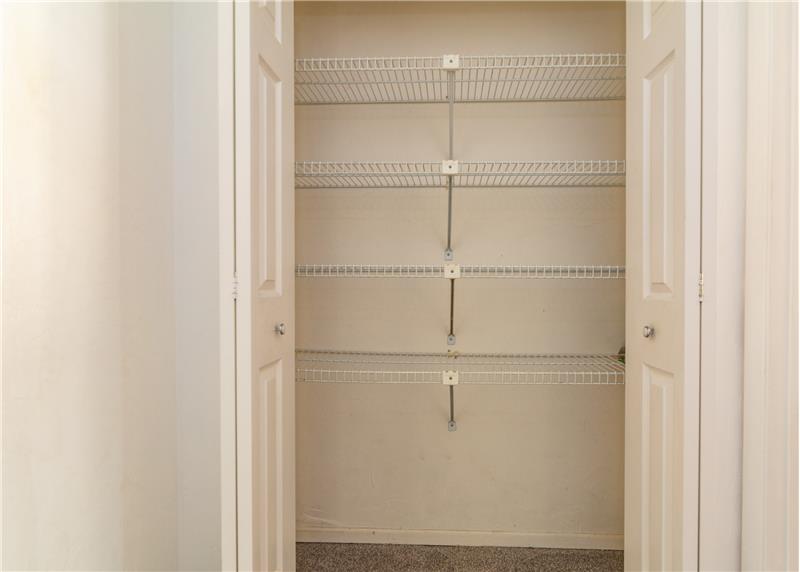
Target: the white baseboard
(460, 538)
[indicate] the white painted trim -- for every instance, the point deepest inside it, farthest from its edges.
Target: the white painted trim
(460, 538)
(722, 310)
(226, 272)
(769, 468)
(692, 260)
(241, 31)
(3, 8)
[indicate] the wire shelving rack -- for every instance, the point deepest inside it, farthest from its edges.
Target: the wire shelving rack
(466, 271)
(552, 77)
(483, 174)
(455, 79)
(472, 368)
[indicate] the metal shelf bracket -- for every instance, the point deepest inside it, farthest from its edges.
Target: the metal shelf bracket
(451, 62)
(452, 271)
(450, 377)
(449, 167)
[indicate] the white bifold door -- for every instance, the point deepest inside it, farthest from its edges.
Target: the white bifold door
(662, 292)
(264, 173)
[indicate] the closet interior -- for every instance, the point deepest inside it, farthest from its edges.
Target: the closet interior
(460, 242)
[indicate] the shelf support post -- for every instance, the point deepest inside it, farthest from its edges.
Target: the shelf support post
(451, 336)
(448, 253)
(451, 424)
(451, 96)
(452, 271)
(450, 378)
(451, 64)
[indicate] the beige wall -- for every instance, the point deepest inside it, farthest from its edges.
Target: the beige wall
(110, 418)
(63, 411)
(528, 465)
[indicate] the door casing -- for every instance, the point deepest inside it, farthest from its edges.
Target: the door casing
(712, 519)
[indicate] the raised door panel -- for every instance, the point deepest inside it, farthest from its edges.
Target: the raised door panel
(271, 11)
(269, 166)
(658, 434)
(658, 179)
(267, 458)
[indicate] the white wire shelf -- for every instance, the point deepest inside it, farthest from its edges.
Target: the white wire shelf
(333, 175)
(468, 271)
(555, 77)
(374, 175)
(476, 369)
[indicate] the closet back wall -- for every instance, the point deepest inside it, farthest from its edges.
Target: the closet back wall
(528, 465)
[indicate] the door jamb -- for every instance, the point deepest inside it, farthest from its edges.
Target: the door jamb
(228, 285)
(722, 294)
(747, 263)
(710, 466)
(769, 453)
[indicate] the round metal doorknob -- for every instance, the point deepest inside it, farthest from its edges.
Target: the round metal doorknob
(280, 328)
(648, 331)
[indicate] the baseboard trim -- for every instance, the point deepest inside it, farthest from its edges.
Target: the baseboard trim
(460, 538)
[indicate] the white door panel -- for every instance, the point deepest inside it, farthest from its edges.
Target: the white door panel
(663, 269)
(264, 67)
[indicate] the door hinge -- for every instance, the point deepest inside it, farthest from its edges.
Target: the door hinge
(700, 287)
(235, 287)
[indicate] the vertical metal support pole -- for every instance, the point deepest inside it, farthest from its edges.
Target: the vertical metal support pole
(451, 89)
(451, 336)
(451, 425)
(451, 101)
(448, 253)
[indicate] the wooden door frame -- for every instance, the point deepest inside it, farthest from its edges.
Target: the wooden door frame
(227, 285)
(748, 260)
(769, 452)
(717, 539)
(722, 309)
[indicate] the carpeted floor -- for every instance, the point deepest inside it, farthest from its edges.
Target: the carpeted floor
(325, 557)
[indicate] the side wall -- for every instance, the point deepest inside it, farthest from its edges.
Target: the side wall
(196, 251)
(88, 370)
(147, 327)
(62, 406)
(110, 416)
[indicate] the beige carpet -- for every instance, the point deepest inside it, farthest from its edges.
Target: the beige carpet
(323, 557)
